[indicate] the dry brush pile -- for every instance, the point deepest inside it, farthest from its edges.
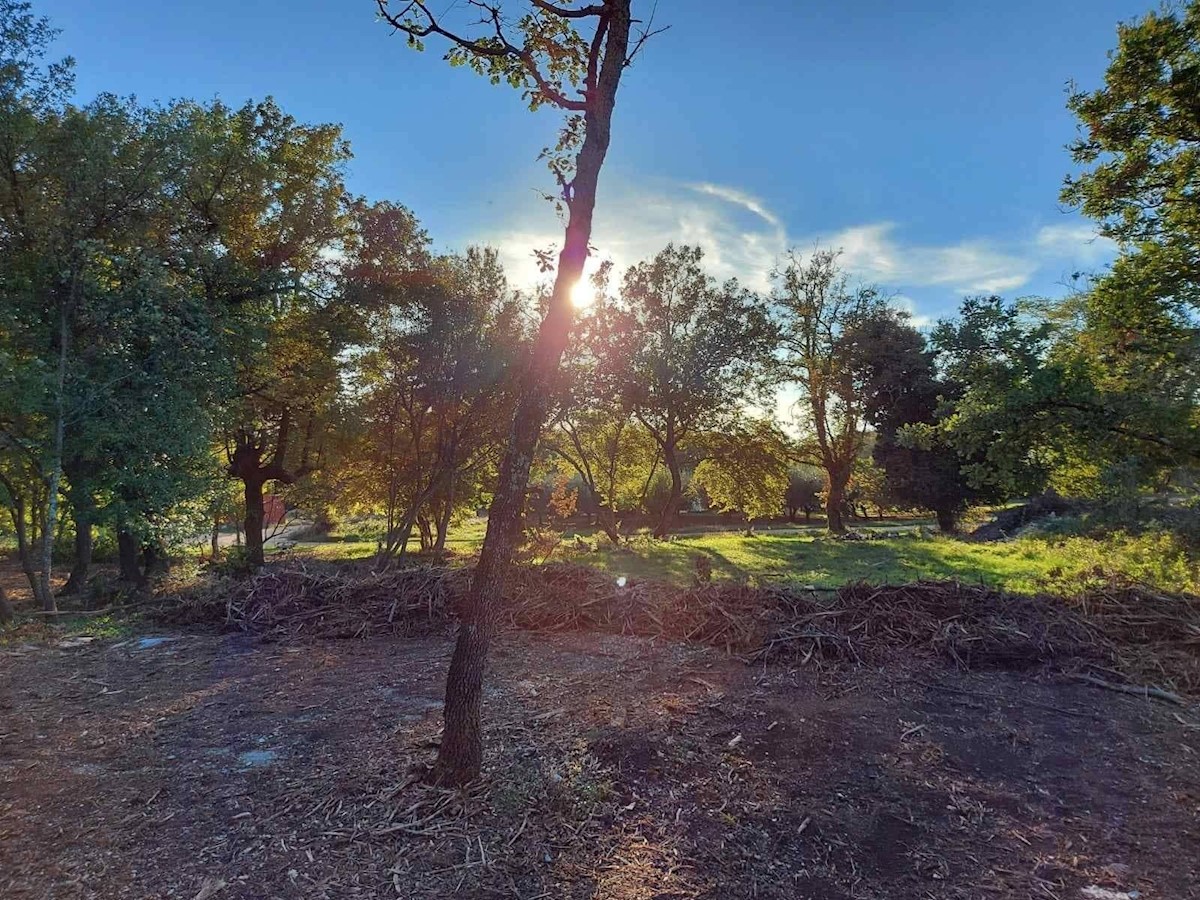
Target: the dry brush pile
(1128, 632)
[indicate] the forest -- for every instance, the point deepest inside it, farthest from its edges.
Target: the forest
(239, 401)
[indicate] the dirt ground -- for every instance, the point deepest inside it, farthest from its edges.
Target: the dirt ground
(215, 766)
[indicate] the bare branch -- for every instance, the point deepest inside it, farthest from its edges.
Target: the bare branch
(648, 32)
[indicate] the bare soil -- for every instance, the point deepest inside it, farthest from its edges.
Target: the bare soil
(618, 767)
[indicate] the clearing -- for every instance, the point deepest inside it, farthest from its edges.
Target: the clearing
(618, 767)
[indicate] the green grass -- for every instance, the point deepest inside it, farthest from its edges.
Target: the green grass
(360, 539)
(815, 560)
(805, 555)
(1026, 565)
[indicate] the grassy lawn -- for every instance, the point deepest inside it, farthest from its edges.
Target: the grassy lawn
(814, 560)
(901, 553)
(359, 540)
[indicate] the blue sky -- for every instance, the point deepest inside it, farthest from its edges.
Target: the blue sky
(925, 138)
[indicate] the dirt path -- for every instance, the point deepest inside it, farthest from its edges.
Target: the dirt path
(209, 766)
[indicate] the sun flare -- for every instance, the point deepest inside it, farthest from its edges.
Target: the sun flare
(583, 294)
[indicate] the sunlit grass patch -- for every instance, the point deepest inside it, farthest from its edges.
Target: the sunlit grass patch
(807, 556)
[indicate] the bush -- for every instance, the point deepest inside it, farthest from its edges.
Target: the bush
(233, 563)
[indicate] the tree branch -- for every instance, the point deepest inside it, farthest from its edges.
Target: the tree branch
(648, 32)
(581, 13)
(496, 49)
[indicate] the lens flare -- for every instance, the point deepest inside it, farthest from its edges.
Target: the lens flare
(582, 295)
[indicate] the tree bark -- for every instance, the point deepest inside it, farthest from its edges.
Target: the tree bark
(460, 756)
(443, 521)
(6, 610)
(128, 554)
(154, 560)
(83, 553)
(835, 501)
(56, 462)
(666, 518)
(24, 548)
(216, 537)
(255, 518)
(947, 520)
(246, 464)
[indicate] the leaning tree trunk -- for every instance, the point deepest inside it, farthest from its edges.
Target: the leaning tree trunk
(460, 756)
(666, 518)
(24, 548)
(443, 520)
(607, 518)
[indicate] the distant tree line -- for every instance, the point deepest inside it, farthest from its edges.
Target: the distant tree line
(195, 313)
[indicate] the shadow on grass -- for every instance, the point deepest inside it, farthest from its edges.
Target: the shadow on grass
(826, 562)
(800, 556)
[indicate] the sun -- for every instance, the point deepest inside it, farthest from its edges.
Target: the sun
(583, 294)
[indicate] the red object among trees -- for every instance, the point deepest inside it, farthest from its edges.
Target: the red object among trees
(274, 510)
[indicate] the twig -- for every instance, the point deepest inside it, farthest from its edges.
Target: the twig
(1153, 693)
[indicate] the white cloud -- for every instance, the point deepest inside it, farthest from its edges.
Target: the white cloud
(909, 305)
(631, 225)
(1075, 241)
(739, 198)
(634, 221)
(873, 252)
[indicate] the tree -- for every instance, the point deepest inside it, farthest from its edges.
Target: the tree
(82, 193)
(1029, 401)
(267, 197)
(1135, 359)
(816, 305)
(610, 451)
(868, 484)
(685, 354)
(895, 375)
(1008, 409)
(803, 491)
(745, 468)
(1040, 391)
(555, 64)
(436, 387)
(1140, 133)
(594, 434)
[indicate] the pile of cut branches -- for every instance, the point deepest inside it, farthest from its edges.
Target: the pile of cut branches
(972, 626)
(296, 599)
(1152, 637)
(566, 597)
(1128, 631)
